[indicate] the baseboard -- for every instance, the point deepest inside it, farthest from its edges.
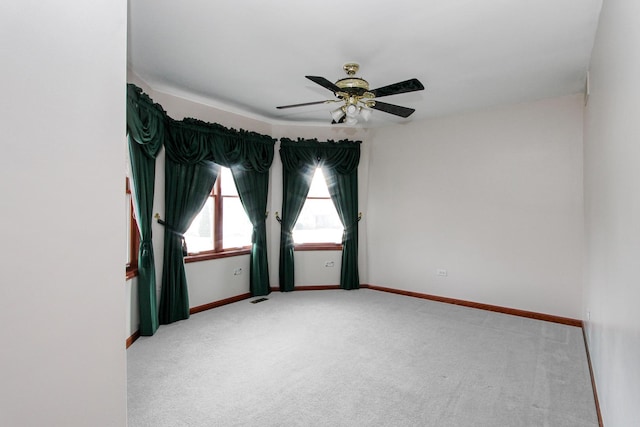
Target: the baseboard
(593, 378)
(197, 309)
(310, 288)
(204, 307)
(481, 306)
(132, 338)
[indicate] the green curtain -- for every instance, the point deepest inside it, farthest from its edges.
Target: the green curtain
(191, 143)
(253, 188)
(249, 155)
(187, 187)
(340, 161)
(192, 147)
(296, 181)
(343, 189)
(145, 132)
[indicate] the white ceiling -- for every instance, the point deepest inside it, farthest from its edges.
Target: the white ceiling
(249, 56)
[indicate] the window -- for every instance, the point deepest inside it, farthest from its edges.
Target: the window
(318, 225)
(133, 238)
(222, 227)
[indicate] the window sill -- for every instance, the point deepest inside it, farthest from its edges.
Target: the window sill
(131, 272)
(317, 247)
(204, 256)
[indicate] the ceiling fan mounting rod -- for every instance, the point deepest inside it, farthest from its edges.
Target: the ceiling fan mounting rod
(351, 68)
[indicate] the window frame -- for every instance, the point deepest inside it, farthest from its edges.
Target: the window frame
(317, 246)
(131, 265)
(218, 250)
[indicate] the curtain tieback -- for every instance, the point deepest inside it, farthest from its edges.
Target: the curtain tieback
(349, 230)
(170, 229)
(259, 229)
(146, 249)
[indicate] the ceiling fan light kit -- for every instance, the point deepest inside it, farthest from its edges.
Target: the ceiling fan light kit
(358, 99)
(337, 114)
(365, 113)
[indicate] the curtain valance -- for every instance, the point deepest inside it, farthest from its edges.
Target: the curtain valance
(145, 121)
(342, 156)
(192, 141)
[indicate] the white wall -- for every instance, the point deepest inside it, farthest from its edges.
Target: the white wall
(215, 280)
(493, 197)
(62, 305)
(612, 201)
(499, 207)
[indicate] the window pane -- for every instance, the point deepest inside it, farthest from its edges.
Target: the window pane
(318, 223)
(236, 227)
(318, 185)
(199, 236)
(227, 186)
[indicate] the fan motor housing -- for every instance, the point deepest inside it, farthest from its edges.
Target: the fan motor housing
(353, 82)
(354, 86)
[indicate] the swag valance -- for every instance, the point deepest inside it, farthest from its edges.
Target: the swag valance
(195, 150)
(343, 156)
(192, 141)
(145, 121)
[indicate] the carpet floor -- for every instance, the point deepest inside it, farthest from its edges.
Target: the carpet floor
(359, 358)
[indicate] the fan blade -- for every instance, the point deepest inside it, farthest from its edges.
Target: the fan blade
(393, 109)
(305, 104)
(324, 83)
(410, 85)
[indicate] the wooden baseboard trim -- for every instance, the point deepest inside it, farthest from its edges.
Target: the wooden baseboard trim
(481, 306)
(593, 379)
(310, 288)
(316, 287)
(132, 338)
(205, 307)
(198, 309)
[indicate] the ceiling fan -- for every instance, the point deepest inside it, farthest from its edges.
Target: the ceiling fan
(358, 99)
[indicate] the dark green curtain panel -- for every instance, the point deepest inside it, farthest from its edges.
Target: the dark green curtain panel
(187, 189)
(343, 189)
(253, 189)
(296, 180)
(249, 155)
(340, 161)
(195, 150)
(145, 131)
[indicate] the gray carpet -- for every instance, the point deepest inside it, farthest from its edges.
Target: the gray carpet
(359, 358)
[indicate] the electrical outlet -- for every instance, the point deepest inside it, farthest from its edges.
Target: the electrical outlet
(329, 264)
(237, 272)
(441, 272)
(588, 314)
